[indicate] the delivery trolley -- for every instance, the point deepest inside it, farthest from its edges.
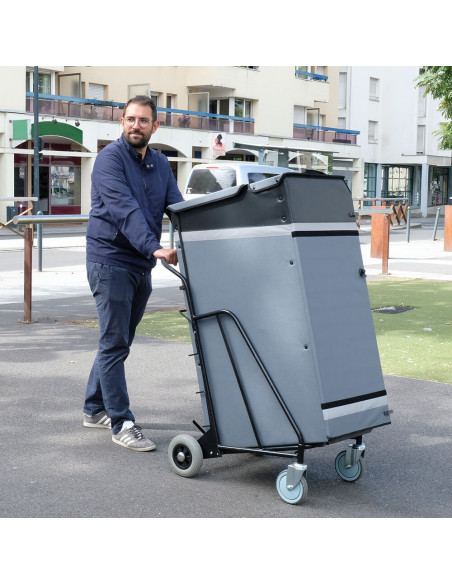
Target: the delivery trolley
(281, 326)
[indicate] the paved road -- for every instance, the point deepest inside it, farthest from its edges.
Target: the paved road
(54, 467)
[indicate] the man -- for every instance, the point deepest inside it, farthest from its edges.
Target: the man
(131, 187)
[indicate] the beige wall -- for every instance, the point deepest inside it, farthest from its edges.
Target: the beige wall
(12, 92)
(330, 108)
(274, 90)
(117, 79)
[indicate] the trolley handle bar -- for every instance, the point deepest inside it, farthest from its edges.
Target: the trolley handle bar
(166, 265)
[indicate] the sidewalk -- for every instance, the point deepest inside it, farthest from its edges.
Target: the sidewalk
(67, 279)
(420, 258)
(425, 259)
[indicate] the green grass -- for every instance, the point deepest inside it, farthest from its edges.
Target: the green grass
(416, 343)
(165, 324)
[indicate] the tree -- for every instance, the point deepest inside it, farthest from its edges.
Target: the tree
(437, 82)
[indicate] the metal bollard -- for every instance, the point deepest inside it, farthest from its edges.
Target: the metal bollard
(39, 240)
(408, 224)
(436, 223)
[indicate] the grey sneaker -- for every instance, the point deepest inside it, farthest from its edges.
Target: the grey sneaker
(100, 420)
(133, 438)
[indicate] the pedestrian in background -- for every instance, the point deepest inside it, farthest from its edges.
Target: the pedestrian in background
(131, 186)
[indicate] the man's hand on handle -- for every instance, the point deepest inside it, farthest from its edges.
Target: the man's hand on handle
(170, 255)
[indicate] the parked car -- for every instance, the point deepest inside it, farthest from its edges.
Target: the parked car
(210, 178)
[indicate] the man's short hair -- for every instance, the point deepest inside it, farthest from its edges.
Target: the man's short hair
(142, 100)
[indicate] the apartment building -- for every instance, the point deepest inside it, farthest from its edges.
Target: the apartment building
(285, 116)
(399, 151)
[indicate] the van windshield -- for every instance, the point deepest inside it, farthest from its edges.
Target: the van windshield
(211, 180)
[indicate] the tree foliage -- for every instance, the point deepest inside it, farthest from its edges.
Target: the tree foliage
(437, 82)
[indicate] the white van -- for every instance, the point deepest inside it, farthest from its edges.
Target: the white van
(210, 178)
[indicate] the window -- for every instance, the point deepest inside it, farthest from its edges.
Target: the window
(420, 147)
(422, 104)
(197, 102)
(373, 132)
(205, 180)
(299, 114)
(299, 70)
(44, 82)
(311, 72)
(96, 91)
(313, 116)
(374, 89)
(242, 108)
(439, 185)
(219, 106)
(397, 182)
(342, 123)
(65, 185)
(342, 91)
(370, 181)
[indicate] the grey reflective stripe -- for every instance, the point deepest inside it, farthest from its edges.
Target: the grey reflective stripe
(362, 406)
(344, 226)
(265, 231)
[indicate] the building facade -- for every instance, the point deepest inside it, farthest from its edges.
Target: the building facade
(369, 124)
(284, 116)
(398, 148)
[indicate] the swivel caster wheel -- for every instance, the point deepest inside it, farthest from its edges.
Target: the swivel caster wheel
(351, 474)
(292, 496)
(185, 455)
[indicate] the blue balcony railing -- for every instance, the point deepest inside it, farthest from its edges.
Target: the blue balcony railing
(76, 107)
(324, 134)
(176, 118)
(300, 74)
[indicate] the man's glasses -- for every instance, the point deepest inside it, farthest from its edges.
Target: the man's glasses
(142, 122)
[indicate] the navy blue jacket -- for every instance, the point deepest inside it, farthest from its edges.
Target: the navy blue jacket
(128, 199)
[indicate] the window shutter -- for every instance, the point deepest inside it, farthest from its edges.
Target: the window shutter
(96, 91)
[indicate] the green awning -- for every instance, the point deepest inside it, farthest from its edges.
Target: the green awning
(59, 129)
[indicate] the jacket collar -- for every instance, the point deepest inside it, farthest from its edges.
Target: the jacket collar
(133, 153)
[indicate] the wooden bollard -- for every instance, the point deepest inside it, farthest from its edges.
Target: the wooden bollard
(379, 239)
(448, 228)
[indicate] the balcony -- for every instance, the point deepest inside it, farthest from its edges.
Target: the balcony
(323, 134)
(201, 121)
(300, 74)
(75, 107)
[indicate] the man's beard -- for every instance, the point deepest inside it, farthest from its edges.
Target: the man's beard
(132, 139)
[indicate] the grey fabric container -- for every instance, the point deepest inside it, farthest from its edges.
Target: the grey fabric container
(283, 256)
